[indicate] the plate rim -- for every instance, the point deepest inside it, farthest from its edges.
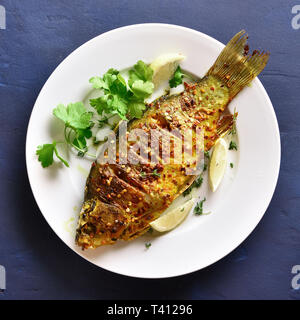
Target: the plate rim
(268, 101)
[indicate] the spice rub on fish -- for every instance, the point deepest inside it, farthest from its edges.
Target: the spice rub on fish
(122, 199)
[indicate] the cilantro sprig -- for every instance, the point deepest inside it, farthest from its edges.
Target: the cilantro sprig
(198, 210)
(78, 124)
(77, 129)
(148, 245)
(196, 184)
(232, 145)
(155, 173)
(125, 100)
(177, 78)
(46, 152)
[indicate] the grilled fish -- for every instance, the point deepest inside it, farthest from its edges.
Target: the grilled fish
(122, 199)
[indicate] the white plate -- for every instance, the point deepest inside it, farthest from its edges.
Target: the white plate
(237, 206)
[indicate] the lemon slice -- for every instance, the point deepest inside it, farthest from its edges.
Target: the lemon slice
(164, 67)
(217, 165)
(173, 218)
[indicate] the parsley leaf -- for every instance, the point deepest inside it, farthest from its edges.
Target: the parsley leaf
(155, 173)
(101, 104)
(77, 124)
(119, 87)
(141, 89)
(232, 145)
(140, 71)
(118, 98)
(74, 115)
(148, 245)
(196, 184)
(206, 154)
(136, 109)
(114, 100)
(140, 81)
(231, 165)
(143, 174)
(45, 153)
(105, 83)
(110, 104)
(198, 210)
(98, 83)
(177, 78)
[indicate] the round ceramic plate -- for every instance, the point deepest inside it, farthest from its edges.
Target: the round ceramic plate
(236, 207)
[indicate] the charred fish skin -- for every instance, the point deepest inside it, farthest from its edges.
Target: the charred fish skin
(121, 200)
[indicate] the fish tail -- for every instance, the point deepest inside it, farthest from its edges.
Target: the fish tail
(225, 124)
(235, 66)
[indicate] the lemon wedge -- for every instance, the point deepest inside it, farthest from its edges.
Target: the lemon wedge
(173, 218)
(217, 165)
(164, 67)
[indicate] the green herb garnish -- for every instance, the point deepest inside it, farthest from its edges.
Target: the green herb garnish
(120, 98)
(232, 145)
(198, 210)
(141, 85)
(150, 230)
(155, 173)
(140, 71)
(196, 184)
(177, 78)
(143, 174)
(112, 103)
(45, 153)
(148, 245)
(78, 125)
(231, 165)
(206, 154)
(74, 116)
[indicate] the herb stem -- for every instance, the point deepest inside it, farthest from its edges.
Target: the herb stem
(67, 138)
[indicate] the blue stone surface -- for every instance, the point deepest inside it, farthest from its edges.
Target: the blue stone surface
(39, 35)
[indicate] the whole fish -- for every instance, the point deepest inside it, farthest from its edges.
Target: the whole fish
(122, 199)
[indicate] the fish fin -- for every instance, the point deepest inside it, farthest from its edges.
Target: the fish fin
(225, 124)
(235, 66)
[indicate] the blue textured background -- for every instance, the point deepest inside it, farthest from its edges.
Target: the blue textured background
(39, 35)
